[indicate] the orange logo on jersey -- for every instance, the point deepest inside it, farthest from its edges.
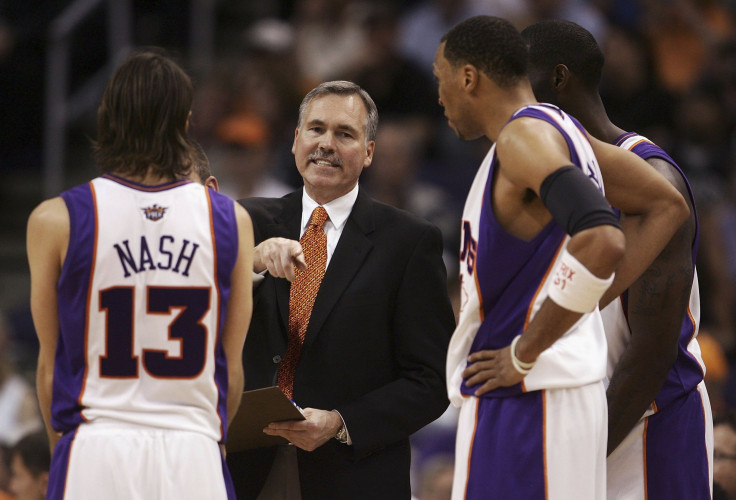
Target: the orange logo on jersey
(154, 212)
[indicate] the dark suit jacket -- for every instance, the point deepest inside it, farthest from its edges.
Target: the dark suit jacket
(374, 350)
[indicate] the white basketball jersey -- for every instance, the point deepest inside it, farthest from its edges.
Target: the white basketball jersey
(143, 296)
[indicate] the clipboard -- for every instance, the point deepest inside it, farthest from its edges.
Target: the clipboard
(257, 409)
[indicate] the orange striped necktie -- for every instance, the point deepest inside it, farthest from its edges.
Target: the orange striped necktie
(304, 290)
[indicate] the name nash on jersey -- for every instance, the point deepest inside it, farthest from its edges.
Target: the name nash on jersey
(168, 254)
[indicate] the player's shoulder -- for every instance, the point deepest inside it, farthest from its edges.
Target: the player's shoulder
(50, 212)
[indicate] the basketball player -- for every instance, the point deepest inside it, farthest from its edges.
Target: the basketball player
(141, 298)
(540, 246)
(660, 440)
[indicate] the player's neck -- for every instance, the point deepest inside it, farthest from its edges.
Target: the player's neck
(506, 104)
(151, 177)
(592, 114)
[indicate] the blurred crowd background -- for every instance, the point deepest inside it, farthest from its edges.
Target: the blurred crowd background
(670, 74)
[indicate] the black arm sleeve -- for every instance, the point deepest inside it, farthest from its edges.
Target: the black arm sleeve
(574, 201)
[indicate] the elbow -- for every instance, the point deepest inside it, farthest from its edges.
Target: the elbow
(682, 211)
(601, 248)
(613, 245)
(675, 210)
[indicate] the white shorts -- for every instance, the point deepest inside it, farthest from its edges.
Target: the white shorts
(546, 445)
(126, 462)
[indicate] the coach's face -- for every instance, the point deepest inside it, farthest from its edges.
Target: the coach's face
(330, 146)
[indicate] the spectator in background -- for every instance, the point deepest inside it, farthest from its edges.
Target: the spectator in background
(578, 11)
(717, 370)
(724, 452)
(424, 24)
(19, 411)
(327, 35)
(435, 478)
(683, 35)
(633, 99)
(244, 155)
(5, 473)
(393, 179)
(30, 460)
(397, 83)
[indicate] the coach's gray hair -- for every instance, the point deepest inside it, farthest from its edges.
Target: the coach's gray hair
(343, 88)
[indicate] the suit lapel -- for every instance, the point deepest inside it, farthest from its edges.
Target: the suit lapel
(286, 226)
(349, 256)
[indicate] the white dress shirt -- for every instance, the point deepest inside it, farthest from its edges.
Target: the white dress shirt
(338, 211)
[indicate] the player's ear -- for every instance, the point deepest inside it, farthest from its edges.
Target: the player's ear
(560, 77)
(211, 182)
(470, 77)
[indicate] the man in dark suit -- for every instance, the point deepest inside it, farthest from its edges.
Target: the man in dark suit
(371, 370)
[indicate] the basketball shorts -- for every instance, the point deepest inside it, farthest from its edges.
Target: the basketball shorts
(667, 455)
(118, 461)
(542, 445)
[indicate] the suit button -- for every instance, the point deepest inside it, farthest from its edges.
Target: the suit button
(277, 359)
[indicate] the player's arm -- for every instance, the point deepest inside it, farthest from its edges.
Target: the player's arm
(656, 304)
(534, 156)
(654, 210)
(240, 308)
(47, 240)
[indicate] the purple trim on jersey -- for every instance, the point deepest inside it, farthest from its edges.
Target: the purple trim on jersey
(507, 456)
(73, 289)
(225, 229)
(676, 456)
(686, 373)
(646, 150)
(60, 466)
(144, 187)
(537, 113)
(510, 270)
(509, 273)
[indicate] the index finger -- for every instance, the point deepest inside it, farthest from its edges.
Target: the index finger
(298, 260)
(482, 355)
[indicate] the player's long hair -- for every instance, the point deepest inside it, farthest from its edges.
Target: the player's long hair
(142, 119)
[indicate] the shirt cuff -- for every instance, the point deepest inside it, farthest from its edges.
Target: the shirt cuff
(349, 441)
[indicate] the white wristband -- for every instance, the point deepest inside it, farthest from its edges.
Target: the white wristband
(575, 288)
(519, 366)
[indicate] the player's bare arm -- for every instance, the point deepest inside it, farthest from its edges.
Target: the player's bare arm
(656, 302)
(47, 241)
(534, 152)
(239, 311)
(655, 210)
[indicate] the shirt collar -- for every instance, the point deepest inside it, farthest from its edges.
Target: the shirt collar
(338, 210)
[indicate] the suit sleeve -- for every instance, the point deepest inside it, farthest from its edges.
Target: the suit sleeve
(422, 323)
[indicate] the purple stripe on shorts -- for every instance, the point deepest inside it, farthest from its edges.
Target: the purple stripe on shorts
(60, 466)
(676, 459)
(507, 456)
